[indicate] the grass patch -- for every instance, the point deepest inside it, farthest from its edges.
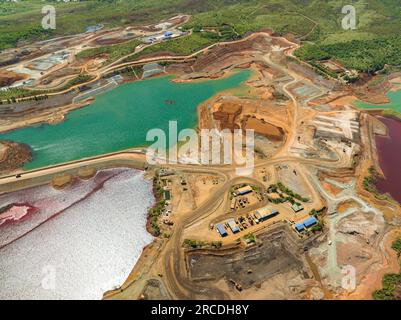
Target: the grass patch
(362, 55)
(369, 185)
(397, 246)
(113, 52)
(21, 21)
(375, 42)
(250, 237)
(13, 94)
(155, 212)
(197, 244)
(185, 45)
(286, 194)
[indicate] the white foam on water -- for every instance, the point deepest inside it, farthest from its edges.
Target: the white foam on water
(91, 247)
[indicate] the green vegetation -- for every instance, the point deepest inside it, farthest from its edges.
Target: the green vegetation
(397, 246)
(21, 20)
(362, 55)
(391, 283)
(197, 244)
(242, 17)
(82, 78)
(224, 32)
(369, 185)
(156, 211)
(185, 45)
(319, 226)
(280, 96)
(250, 237)
(10, 40)
(291, 193)
(113, 52)
(285, 194)
(316, 213)
(391, 114)
(133, 71)
(370, 180)
(377, 80)
(322, 70)
(318, 23)
(11, 95)
(193, 243)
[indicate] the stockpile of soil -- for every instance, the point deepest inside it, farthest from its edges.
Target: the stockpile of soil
(87, 173)
(227, 114)
(222, 52)
(14, 156)
(61, 181)
(7, 78)
(264, 128)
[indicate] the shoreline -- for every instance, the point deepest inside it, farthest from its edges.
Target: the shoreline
(385, 184)
(47, 117)
(96, 193)
(63, 111)
(373, 282)
(57, 115)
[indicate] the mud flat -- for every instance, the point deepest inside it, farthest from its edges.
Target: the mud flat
(13, 155)
(89, 236)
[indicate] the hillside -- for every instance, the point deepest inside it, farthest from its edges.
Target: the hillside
(316, 23)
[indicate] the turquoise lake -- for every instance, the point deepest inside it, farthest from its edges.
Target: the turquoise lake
(119, 119)
(395, 103)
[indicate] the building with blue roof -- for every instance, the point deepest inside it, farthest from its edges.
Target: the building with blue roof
(221, 230)
(305, 224)
(310, 222)
(299, 227)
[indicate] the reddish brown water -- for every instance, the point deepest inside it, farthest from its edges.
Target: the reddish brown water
(389, 149)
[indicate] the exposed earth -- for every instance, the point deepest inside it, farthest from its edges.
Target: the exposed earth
(312, 148)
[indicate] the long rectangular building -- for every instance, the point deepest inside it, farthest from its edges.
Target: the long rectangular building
(265, 213)
(309, 222)
(244, 190)
(233, 226)
(221, 230)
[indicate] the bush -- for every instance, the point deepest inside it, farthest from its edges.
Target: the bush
(390, 282)
(113, 52)
(363, 55)
(397, 246)
(250, 237)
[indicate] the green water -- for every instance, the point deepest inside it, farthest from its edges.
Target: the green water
(395, 103)
(119, 119)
